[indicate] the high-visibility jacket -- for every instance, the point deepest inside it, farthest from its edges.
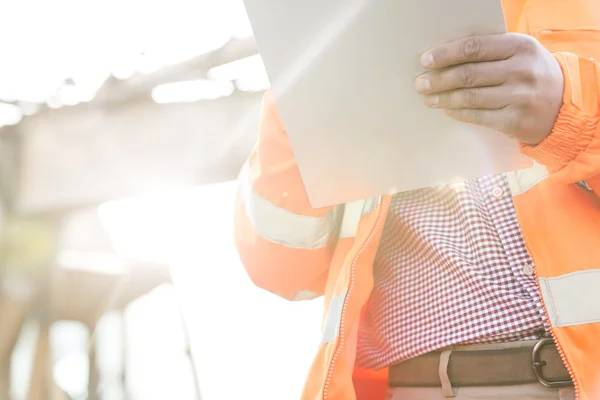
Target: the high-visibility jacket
(299, 252)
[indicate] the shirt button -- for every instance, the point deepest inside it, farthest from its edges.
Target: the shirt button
(497, 192)
(528, 270)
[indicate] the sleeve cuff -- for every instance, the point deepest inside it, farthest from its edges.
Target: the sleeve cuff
(575, 127)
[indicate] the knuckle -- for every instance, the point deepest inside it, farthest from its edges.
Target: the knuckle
(522, 71)
(472, 48)
(526, 44)
(471, 97)
(469, 116)
(512, 122)
(526, 98)
(467, 75)
(447, 99)
(528, 77)
(456, 100)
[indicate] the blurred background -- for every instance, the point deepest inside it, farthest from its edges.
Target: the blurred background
(123, 125)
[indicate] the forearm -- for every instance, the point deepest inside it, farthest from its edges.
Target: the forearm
(284, 243)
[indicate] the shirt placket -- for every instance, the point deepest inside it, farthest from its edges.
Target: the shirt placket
(503, 214)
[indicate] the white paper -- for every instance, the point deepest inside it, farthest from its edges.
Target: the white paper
(343, 72)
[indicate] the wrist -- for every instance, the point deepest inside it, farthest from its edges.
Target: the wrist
(576, 122)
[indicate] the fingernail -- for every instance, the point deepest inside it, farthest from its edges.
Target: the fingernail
(427, 60)
(432, 101)
(422, 84)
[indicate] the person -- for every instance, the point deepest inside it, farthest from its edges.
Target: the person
(485, 288)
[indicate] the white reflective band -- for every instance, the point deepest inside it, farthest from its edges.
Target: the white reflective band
(300, 296)
(331, 329)
(572, 299)
(280, 226)
(353, 212)
(522, 180)
(370, 205)
(305, 295)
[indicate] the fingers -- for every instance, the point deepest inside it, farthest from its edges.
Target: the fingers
(475, 49)
(496, 81)
(463, 76)
(491, 98)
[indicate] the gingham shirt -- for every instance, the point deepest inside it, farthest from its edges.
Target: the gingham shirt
(452, 268)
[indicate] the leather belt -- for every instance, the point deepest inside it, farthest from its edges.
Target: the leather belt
(486, 365)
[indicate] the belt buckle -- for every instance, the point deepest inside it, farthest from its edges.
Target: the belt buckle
(538, 364)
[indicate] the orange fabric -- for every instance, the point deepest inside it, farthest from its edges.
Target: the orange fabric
(572, 151)
(570, 29)
(273, 170)
(552, 214)
(580, 344)
(342, 250)
(513, 14)
(560, 221)
(314, 388)
(357, 279)
(277, 268)
(561, 225)
(370, 384)
(594, 183)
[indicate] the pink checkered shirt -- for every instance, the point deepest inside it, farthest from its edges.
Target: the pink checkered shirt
(452, 268)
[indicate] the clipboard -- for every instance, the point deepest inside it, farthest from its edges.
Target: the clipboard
(342, 74)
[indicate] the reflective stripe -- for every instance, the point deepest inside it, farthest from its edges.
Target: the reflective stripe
(300, 296)
(331, 328)
(370, 205)
(305, 295)
(280, 226)
(572, 299)
(524, 179)
(353, 212)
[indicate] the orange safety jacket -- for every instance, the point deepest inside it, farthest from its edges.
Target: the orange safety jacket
(299, 252)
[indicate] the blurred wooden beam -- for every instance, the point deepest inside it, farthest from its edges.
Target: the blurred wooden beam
(118, 91)
(42, 381)
(123, 144)
(75, 156)
(42, 385)
(12, 314)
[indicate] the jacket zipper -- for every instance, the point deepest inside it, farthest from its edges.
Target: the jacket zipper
(380, 219)
(336, 355)
(556, 342)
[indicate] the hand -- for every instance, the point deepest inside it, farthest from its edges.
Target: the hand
(507, 82)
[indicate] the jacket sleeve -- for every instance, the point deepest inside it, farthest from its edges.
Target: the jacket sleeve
(572, 151)
(285, 245)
